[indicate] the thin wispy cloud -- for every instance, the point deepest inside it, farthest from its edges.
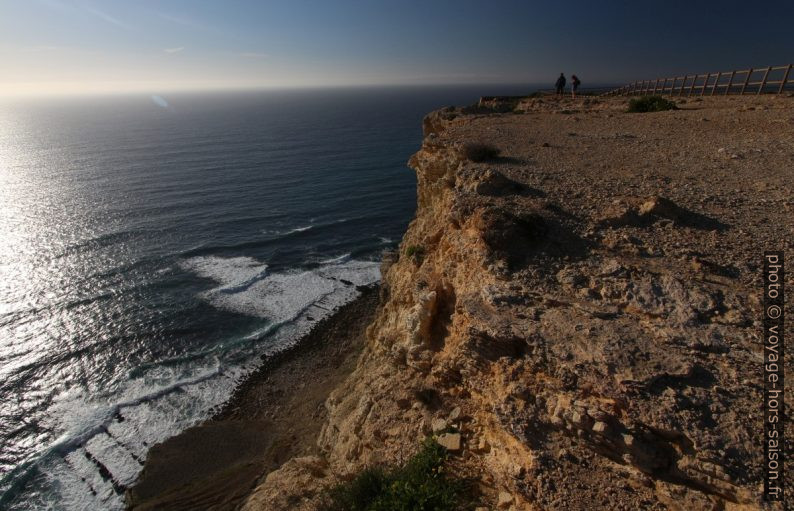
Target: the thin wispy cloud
(193, 24)
(105, 16)
(174, 50)
(185, 22)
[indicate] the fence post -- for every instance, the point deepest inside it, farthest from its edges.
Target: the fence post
(785, 79)
(763, 80)
(705, 84)
(746, 80)
(730, 83)
(659, 85)
(719, 75)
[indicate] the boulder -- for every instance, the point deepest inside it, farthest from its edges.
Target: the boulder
(450, 441)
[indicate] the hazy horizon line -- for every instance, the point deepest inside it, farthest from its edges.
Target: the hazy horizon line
(177, 89)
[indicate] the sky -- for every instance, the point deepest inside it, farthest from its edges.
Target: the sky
(73, 46)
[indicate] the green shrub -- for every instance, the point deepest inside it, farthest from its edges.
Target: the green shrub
(479, 152)
(358, 495)
(415, 251)
(650, 104)
(420, 485)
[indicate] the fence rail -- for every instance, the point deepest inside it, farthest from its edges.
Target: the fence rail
(766, 80)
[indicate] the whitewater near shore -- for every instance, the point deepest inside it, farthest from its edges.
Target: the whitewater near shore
(584, 309)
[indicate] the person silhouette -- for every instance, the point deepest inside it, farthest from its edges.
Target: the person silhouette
(560, 84)
(575, 82)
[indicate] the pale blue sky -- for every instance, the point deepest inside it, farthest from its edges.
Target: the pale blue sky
(148, 45)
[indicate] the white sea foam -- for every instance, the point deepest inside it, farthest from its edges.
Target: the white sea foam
(336, 260)
(246, 288)
(230, 271)
(152, 411)
(288, 231)
(92, 433)
(312, 225)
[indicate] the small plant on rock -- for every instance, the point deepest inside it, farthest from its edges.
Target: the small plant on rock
(650, 104)
(421, 484)
(417, 252)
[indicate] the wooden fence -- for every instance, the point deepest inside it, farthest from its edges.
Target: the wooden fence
(767, 80)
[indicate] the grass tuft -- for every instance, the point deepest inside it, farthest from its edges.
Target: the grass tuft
(420, 485)
(415, 251)
(650, 104)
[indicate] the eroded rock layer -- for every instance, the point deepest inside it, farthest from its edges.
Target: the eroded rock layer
(584, 309)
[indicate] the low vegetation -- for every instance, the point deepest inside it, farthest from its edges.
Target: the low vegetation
(421, 484)
(479, 152)
(650, 104)
(415, 251)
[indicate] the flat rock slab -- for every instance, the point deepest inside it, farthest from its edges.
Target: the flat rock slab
(450, 441)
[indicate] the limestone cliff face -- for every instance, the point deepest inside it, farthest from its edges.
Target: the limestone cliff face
(588, 350)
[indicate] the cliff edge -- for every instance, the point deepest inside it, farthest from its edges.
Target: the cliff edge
(583, 308)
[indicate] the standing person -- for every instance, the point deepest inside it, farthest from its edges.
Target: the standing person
(560, 83)
(574, 85)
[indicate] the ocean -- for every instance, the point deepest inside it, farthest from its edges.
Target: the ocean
(154, 248)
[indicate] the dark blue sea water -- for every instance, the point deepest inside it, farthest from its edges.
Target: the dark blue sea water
(153, 249)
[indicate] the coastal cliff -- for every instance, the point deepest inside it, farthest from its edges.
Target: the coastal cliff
(577, 319)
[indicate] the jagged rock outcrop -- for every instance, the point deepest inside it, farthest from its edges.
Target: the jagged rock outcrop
(576, 310)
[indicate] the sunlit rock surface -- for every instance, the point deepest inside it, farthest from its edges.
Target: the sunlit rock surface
(584, 309)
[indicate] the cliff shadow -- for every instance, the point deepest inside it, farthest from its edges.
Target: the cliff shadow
(691, 219)
(442, 319)
(511, 160)
(660, 208)
(493, 183)
(529, 235)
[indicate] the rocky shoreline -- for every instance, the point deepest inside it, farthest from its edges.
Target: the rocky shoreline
(274, 414)
(582, 309)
